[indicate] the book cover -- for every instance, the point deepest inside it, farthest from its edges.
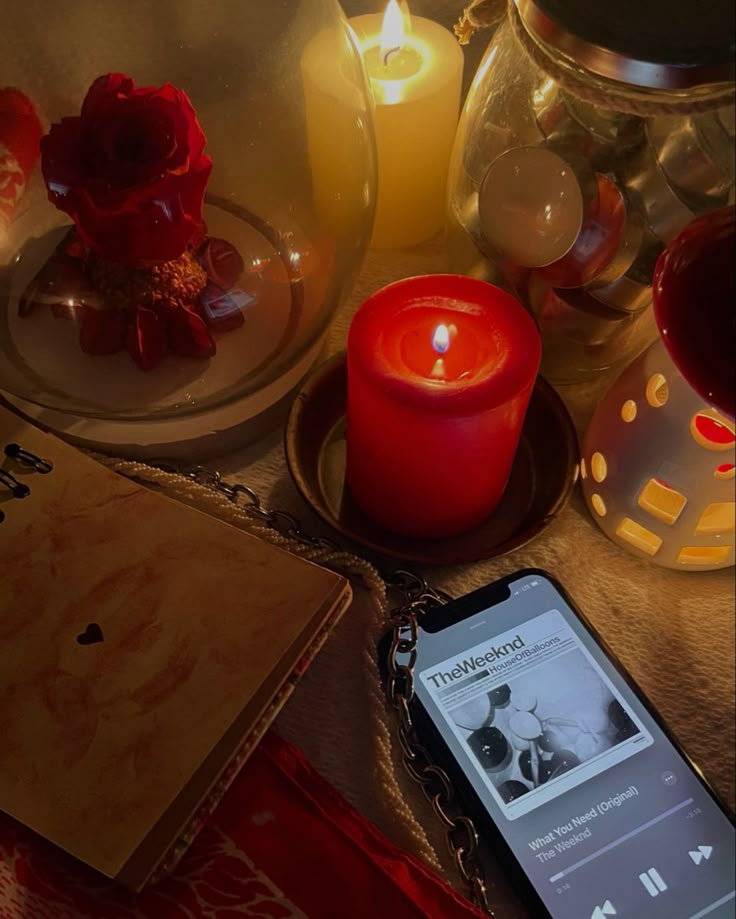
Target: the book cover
(141, 643)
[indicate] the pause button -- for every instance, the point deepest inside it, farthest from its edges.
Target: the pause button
(653, 882)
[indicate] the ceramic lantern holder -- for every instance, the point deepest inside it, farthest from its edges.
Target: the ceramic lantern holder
(658, 457)
(658, 468)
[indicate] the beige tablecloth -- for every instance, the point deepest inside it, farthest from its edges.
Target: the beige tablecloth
(673, 630)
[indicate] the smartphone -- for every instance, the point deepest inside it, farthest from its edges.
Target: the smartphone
(562, 762)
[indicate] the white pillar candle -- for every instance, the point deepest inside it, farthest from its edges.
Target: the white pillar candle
(337, 114)
(415, 70)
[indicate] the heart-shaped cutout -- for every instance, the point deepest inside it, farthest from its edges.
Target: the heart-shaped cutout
(91, 635)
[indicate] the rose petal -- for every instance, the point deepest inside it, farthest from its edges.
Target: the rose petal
(105, 90)
(146, 338)
(222, 310)
(222, 262)
(196, 139)
(199, 237)
(193, 139)
(188, 335)
(180, 117)
(102, 331)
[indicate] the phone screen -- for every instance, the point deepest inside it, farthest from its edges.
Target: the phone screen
(604, 815)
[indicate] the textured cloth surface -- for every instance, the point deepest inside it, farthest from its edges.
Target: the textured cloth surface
(673, 630)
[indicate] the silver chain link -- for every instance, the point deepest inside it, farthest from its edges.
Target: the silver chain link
(417, 599)
(460, 832)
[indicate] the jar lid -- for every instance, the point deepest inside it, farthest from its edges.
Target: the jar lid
(656, 44)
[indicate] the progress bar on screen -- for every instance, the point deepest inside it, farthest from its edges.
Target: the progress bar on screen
(617, 842)
(714, 906)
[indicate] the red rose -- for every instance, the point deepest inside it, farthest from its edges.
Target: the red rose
(130, 170)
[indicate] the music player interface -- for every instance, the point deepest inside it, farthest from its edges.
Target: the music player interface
(602, 812)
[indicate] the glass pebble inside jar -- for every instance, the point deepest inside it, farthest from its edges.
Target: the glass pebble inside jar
(193, 193)
(573, 169)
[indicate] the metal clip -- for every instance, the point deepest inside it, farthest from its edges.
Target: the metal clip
(16, 488)
(26, 458)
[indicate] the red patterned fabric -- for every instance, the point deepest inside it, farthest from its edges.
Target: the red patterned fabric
(281, 845)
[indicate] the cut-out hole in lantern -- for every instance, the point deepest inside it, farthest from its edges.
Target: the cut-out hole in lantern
(638, 536)
(628, 410)
(712, 431)
(599, 505)
(583, 470)
(717, 518)
(703, 555)
(725, 471)
(658, 391)
(662, 501)
(598, 467)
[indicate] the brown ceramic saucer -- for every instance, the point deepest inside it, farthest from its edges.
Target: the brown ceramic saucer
(544, 473)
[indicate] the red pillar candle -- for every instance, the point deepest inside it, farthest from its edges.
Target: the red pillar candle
(440, 372)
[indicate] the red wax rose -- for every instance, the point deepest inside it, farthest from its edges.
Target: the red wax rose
(130, 170)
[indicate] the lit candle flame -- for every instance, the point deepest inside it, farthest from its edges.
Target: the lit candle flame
(441, 339)
(393, 31)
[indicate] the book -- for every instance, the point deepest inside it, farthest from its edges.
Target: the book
(144, 648)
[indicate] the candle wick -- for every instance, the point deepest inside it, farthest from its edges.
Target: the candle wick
(438, 371)
(389, 53)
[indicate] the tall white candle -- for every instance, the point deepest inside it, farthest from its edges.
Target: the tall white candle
(415, 70)
(337, 114)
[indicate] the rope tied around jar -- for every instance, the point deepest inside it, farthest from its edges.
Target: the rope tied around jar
(481, 14)
(582, 83)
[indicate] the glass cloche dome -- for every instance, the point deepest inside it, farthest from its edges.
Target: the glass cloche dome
(186, 194)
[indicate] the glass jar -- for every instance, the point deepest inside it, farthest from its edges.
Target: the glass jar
(585, 145)
(282, 100)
